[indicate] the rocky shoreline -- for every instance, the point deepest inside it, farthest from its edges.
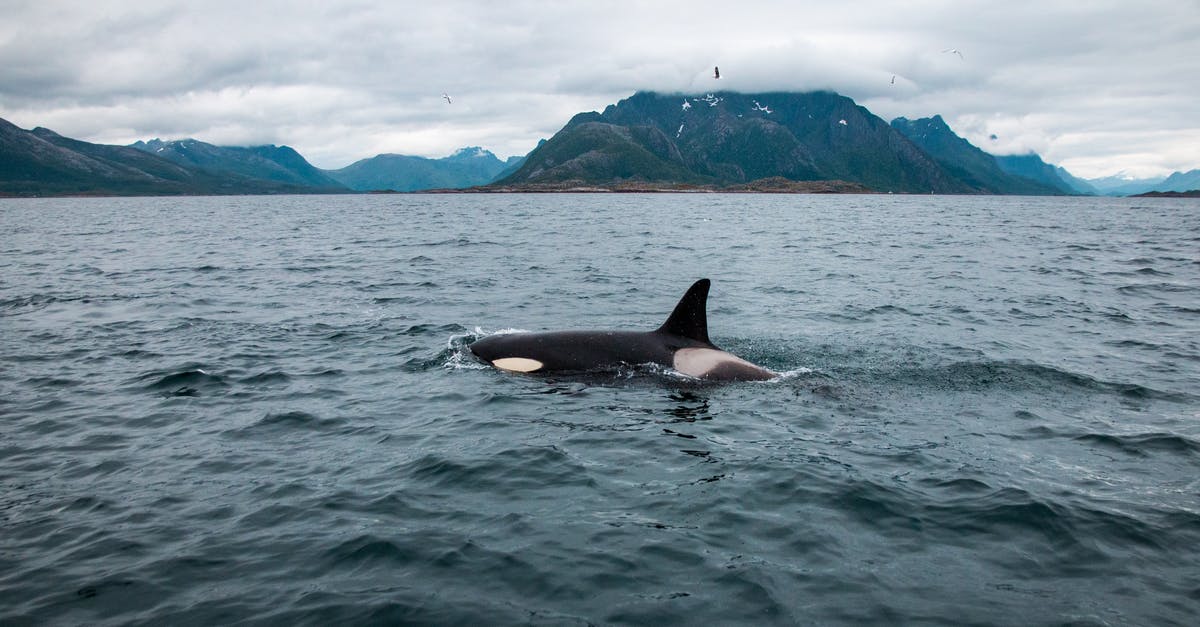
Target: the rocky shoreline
(1195, 193)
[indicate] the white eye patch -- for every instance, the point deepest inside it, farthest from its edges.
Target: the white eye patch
(518, 364)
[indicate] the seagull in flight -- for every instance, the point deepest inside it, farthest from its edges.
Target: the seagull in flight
(955, 51)
(716, 72)
(893, 79)
(448, 100)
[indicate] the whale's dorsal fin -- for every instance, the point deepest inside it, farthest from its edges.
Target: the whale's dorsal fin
(690, 318)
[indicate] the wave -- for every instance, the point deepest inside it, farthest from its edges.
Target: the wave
(269, 377)
(1063, 523)
(540, 468)
(1134, 444)
(1019, 375)
(372, 549)
(431, 329)
(50, 382)
(18, 305)
(397, 300)
(455, 356)
(34, 302)
(1179, 309)
(294, 422)
(1143, 444)
(1138, 344)
(961, 512)
(190, 380)
(1154, 289)
(1143, 271)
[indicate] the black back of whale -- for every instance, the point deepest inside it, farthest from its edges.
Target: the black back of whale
(687, 327)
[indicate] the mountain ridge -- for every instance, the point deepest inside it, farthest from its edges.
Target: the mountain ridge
(730, 138)
(773, 141)
(267, 162)
(1032, 167)
(42, 162)
(969, 163)
(466, 167)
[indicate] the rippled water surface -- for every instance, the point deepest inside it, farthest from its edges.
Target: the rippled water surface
(260, 409)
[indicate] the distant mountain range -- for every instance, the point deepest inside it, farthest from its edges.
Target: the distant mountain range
(466, 168)
(270, 163)
(399, 173)
(43, 163)
(815, 142)
(723, 139)
(1179, 182)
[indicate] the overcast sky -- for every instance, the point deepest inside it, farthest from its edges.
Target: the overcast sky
(1100, 87)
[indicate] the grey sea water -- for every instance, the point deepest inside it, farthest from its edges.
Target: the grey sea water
(260, 410)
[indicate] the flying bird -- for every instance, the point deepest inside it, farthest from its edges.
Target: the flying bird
(716, 72)
(448, 100)
(955, 51)
(893, 79)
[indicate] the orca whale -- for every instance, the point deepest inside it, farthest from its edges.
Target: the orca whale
(681, 343)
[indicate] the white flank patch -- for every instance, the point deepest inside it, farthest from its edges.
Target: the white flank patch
(518, 364)
(697, 362)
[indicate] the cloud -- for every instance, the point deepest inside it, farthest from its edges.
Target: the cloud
(1105, 86)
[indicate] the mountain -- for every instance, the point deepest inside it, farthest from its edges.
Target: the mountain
(467, 167)
(1120, 185)
(1081, 186)
(32, 163)
(1123, 186)
(1180, 182)
(269, 163)
(1032, 167)
(42, 162)
(512, 165)
(968, 163)
(728, 138)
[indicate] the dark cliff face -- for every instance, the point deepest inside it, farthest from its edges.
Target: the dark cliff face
(599, 152)
(732, 138)
(976, 168)
(1032, 167)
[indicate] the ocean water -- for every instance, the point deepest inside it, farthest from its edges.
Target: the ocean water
(260, 410)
